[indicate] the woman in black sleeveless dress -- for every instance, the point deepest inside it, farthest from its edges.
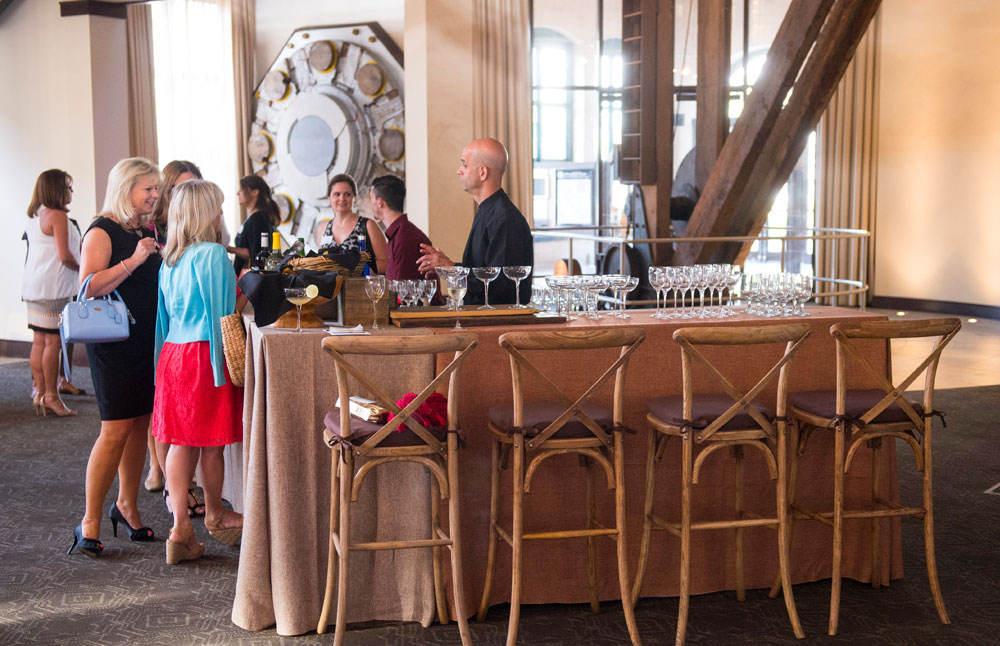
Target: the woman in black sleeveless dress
(122, 254)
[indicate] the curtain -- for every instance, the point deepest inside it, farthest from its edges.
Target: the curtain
(141, 93)
(502, 88)
(195, 108)
(244, 42)
(847, 182)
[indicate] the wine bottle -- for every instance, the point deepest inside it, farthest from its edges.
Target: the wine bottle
(300, 244)
(261, 260)
(275, 257)
(363, 247)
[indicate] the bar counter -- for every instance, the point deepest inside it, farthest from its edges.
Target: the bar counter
(280, 477)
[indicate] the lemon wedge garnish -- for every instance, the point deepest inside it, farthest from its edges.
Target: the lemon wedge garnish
(312, 291)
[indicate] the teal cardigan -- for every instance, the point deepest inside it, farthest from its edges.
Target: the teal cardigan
(194, 294)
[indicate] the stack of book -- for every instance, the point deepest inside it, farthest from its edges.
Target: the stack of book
(366, 409)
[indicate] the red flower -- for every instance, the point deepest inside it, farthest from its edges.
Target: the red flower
(432, 413)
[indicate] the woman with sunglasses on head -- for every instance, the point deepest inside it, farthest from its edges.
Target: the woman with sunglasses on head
(175, 172)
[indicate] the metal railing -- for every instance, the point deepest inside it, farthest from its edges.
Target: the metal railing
(835, 288)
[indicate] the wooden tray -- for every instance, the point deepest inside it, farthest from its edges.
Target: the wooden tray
(470, 316)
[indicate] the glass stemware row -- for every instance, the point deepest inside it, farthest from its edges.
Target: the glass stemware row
(410, 292)
(717, 280)
(781, 294)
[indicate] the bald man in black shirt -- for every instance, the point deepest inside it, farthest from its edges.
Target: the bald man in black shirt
(500, 236)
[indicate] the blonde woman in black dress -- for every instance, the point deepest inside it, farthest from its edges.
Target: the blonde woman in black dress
(121, 253)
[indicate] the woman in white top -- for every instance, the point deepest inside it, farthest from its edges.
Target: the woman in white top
(50, 281)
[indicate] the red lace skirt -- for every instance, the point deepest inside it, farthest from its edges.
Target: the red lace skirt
(188, 408)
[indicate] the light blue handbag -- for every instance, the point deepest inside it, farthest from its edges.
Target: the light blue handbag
(97, 320)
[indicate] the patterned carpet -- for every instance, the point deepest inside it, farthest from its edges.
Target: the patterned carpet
(129, 596)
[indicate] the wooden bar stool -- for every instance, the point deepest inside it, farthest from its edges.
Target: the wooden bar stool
(353, 439)
(865, 417)
(731, 419)
(532, 432)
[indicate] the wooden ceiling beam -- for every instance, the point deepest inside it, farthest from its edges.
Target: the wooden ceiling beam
(731, 173)
(712, 92)
(657, 196)
(834, 50)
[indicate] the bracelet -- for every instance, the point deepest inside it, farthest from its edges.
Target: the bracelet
(122, 263)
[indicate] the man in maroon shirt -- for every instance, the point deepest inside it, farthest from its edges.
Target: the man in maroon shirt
(404, 238)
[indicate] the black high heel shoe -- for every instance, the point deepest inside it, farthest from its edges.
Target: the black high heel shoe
(140, 534)
(89, 546)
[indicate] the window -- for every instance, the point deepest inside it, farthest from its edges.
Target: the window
(576, 122)
(754, 25)
(195, 104)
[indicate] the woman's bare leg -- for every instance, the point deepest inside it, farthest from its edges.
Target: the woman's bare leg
(212, 474)
(105, 458)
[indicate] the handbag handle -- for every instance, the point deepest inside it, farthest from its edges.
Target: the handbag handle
(81, 296)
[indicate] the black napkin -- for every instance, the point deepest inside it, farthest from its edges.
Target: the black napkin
(266, 291)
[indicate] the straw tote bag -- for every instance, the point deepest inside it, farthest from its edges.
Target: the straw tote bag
(234, 345)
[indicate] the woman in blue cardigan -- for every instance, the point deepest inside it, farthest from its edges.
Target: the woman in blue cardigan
(196, 409)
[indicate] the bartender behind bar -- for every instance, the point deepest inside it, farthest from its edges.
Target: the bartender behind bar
(500, 236)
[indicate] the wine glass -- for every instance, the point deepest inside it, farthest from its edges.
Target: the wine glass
(657, 278)
(428, 288)
(517, 273)
(297, 296)
(486, 275)
(375, 288)
(456, 285)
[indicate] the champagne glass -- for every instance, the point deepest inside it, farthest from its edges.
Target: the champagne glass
(456, 285)
(630, 284)
(486, 275)
(617, 283)
(298, 297)
(375, 288)
(517, 273)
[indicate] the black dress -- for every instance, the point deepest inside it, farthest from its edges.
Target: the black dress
(248, 237)
(123, 371)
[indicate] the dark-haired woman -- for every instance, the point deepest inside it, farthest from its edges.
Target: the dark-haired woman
(343, 231)
(255, 196)
(50, 280)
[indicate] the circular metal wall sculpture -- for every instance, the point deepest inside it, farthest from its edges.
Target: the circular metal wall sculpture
(332, 102)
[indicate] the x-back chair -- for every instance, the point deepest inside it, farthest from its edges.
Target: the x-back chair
(528, 433)
(860, 417)
(707, 423)
(353, 440)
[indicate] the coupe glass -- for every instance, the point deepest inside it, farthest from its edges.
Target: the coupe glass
(617, 283)
(517, 273)
(375, 288)
(630, 284)
(297, 296)
(486, 275)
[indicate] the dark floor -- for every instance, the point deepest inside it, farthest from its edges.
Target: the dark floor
(129, 596)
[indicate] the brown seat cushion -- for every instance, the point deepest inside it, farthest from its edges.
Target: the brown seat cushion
(705, 408)
(362, 430)
(538, 415)
(823, 403)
